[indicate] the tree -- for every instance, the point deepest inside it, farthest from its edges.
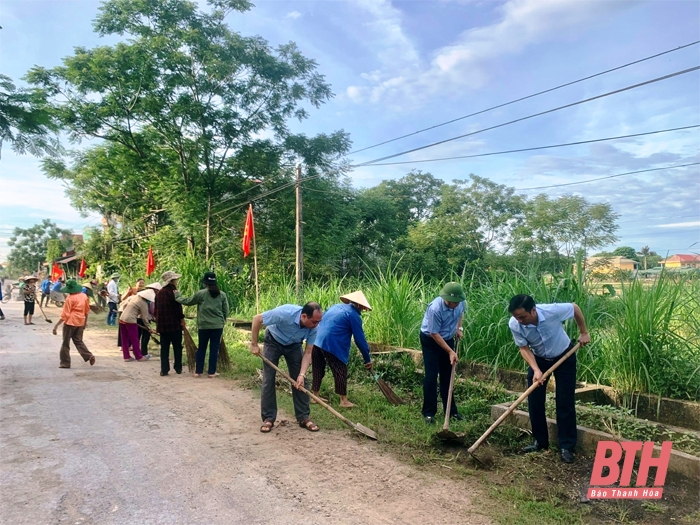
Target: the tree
(188, 97)
(645, 252)
(625, 251)
(26, 121)
(29, 246)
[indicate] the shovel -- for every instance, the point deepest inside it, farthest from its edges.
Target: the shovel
(42, 311)
(522, 398)
(446, 434)
(355, 426)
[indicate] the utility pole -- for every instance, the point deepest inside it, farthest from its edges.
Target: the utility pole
(300, 244)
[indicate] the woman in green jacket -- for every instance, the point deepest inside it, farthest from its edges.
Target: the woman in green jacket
(212, 311)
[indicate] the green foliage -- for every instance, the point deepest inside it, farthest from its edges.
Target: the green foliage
(625, 251)
(29, 245)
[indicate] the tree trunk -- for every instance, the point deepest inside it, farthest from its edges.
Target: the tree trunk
(207, 247)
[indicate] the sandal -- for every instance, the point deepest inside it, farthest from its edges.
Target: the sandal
(267, 426)
(309, 425)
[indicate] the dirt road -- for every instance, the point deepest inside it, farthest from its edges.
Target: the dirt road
(118, 444)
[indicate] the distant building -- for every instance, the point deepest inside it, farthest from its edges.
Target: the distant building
(610, 264)
(681, 261)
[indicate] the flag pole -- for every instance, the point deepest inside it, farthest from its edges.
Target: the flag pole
(255, 261)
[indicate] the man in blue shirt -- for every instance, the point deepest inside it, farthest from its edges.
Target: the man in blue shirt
(332, 347)
(539, 333)
(441, 326)
(287, 326)
(45, 291)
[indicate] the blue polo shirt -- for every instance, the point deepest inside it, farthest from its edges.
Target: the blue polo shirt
(57, 286)
(546, 339)
(440, 319)
(283, 323)
(339, 324)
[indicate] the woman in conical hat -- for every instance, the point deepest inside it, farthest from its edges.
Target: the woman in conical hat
(339, 324)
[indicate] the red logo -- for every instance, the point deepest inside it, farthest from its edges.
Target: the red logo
(600, 484)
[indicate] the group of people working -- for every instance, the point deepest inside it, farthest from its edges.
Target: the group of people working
(306, 336)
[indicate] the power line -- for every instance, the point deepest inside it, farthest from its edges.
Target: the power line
(534, 148)
(527, 97)
(608, 177)
(634, 86)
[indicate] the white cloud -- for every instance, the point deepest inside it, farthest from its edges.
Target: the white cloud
(466, 62)
(693, 224)
(294, 15)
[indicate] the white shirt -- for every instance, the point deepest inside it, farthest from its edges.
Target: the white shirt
(113, 292)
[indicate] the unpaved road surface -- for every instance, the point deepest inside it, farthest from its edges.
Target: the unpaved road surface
(118, 444)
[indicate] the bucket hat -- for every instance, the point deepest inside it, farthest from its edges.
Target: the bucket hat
(115, 276)
(356, 297)
(453, 293)
(72, 287)
(149, 294)
(169, 276)
(210, 279)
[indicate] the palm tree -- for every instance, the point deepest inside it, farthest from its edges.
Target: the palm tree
(644, 252)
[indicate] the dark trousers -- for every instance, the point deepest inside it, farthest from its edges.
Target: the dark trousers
(112, 314)
(436, 362)
(319, 358)
(293, 355)
(44, 297)
(166, 339)
(565, 377)
(211, 337)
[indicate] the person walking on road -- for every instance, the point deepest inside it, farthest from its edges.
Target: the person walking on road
(332, 346)
(29, 293)
(170, 321)
(45, 291)
(136, 308)
(212, 311)
(113, 299)
(74, 318)
(538, 332)
(287, 327)
(441, 327)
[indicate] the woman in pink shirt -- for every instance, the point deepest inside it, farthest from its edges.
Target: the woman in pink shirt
(74, 317)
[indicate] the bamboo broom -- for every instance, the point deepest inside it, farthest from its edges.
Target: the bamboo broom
(223, 363)
(191, 349)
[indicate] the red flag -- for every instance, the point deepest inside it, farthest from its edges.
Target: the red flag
(83, 268)
(248, 232)
(150, 262)
(56, 272)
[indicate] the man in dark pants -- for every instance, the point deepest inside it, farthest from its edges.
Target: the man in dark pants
(170, 321)
(442, 325)
(539, 333)
(287, 327)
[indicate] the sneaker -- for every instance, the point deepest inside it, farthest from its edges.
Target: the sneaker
(567, 456)
(535, 447)
(429, 420)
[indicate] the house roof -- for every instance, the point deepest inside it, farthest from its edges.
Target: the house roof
(680, 257)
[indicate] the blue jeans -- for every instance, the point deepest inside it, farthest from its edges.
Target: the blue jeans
(112, 314)
(212, 335)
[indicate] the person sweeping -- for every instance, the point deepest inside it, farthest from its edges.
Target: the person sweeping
(212, 311)
(135, 309)
(170, 322)
(340, 323)
(74, 317)
(29, 293)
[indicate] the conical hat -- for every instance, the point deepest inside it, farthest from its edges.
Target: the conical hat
(356, 297)
(149, 294)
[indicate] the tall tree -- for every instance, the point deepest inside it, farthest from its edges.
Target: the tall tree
(29, 245)
(26, 121)
(645, 252)
(185, 84)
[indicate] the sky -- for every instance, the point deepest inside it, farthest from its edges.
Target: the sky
(401, 66)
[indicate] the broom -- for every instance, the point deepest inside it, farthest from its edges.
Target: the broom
(191, 351)
(224, 360)
(389, 394)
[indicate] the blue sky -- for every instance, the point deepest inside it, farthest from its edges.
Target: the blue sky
(399, 66)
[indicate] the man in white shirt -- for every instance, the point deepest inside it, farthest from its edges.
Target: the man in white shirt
(112, 299)
(539, 333)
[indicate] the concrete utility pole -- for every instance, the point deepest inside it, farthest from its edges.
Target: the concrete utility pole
(300, 243)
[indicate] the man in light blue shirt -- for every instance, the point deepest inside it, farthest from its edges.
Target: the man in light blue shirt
(441, 326)
(539, 333)
(287, 327)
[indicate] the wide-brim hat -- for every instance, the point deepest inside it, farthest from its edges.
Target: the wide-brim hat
(115, 276)
(30, 278)
(154, 286)
(149, 294)
(453, 293)
(169, 276)
(72, 287)
(209, 279)
(356, 297)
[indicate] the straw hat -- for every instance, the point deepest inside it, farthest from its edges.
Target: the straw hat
(30, 278)
(169, 276)
(88, 286)
(356, 297)
(154, 286)
(149, 294)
